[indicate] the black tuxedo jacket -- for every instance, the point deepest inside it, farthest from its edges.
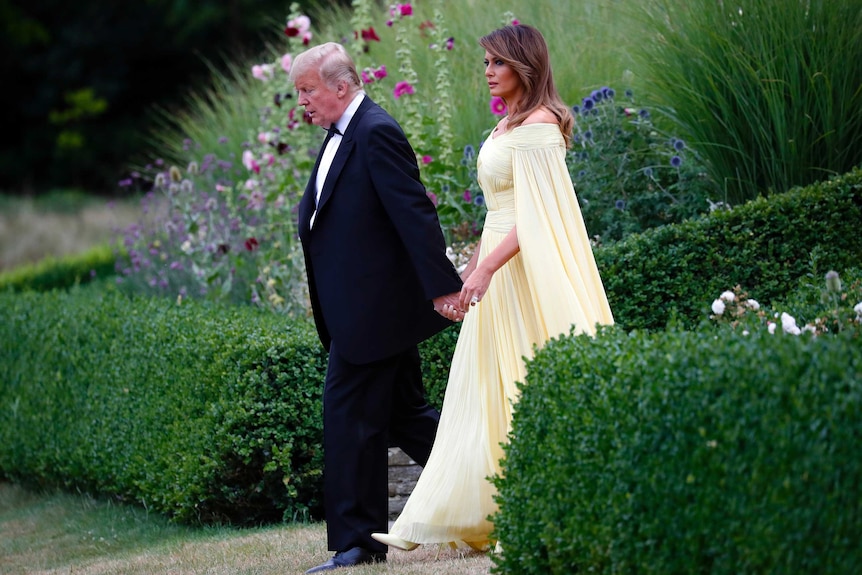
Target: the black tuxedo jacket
(375, 257)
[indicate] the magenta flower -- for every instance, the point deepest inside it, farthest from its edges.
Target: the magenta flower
(370, 35)
(406, 9)
(426, 159)
(366, 78)
(498, 106)
(467, 196)
(380, 72)
(450, 43)
(401, 88)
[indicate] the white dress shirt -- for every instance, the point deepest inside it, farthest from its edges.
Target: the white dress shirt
(332, 148)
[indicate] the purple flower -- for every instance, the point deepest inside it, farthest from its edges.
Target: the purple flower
(676, 161)
(679, 145)
(588, 104)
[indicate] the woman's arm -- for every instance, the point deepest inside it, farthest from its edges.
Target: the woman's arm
(477, 278)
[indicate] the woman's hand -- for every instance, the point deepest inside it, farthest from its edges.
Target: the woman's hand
(475, 287)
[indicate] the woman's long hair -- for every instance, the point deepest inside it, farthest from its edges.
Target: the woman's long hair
(523, 48)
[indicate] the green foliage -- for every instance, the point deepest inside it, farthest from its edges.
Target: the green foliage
(764, 246)
(767, 92)
(628, 174)
(436, 354)
(204, 413)
(52, 273)
(704, 451)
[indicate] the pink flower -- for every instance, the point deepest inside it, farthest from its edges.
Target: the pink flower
(401, 88)
(498, 106)
(286, 60)
(406, 9)
(380, 72)
(247, 159)
(297, 26)
(426, 159)
(450, 43)
(262, 71)
(515, 22)
(366, 79)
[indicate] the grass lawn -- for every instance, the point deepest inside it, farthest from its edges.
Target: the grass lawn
(58, 533)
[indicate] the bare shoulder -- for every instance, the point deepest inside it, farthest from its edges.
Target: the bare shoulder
(541, 115)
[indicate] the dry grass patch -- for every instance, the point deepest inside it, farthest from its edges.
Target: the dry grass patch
(31, 231)
(53, 534)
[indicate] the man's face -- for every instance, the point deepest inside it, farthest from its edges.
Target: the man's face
(323, 104)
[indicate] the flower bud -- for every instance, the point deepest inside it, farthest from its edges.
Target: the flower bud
(833, 282)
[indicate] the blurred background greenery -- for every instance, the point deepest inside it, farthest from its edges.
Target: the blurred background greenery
(83, 80)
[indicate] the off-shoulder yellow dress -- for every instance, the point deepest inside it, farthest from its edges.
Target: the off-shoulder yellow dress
(551, 285)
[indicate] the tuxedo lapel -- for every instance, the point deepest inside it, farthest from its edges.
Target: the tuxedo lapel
(307, 203)
(338, 163)
(342, 155)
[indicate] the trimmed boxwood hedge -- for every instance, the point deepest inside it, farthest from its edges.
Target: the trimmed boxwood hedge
(205, 413)
(61, 272)
(764, 246)
(705, 451)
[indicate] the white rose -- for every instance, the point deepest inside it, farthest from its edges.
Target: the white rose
(771, 327)
(728, 296)
(858, 309)
(718, 307)
(753, 304)
(788, 324)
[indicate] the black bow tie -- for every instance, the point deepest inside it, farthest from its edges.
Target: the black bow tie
(332, 129)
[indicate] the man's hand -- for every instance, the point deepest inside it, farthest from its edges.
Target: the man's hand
(448, 306)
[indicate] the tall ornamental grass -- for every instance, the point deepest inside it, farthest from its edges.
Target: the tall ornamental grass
(770, 93)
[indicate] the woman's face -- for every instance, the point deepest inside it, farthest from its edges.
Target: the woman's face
(502, 79)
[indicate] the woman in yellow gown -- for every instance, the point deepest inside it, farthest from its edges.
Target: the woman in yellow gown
(533, 277)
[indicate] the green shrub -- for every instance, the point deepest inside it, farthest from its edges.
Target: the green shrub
(203, 412)
(52, 273)
(704, 451)
(767, 92)
(765, 246)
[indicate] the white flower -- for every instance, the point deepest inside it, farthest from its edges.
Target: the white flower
(753, 304)
(858, 309)
(788, 324)
(770, 326)
(728, 296)
(186, 247)
(718, 307)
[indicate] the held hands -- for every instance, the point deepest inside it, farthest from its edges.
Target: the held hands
(448, 307)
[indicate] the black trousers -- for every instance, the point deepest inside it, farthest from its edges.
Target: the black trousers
(366, 409)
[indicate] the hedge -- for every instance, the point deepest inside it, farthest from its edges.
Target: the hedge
(61, 272)
(202, 412)
(704, 451)
(764, 246)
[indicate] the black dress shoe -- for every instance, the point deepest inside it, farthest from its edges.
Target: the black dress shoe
(349, 558)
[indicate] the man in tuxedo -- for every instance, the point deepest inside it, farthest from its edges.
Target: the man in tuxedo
(377, 273)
